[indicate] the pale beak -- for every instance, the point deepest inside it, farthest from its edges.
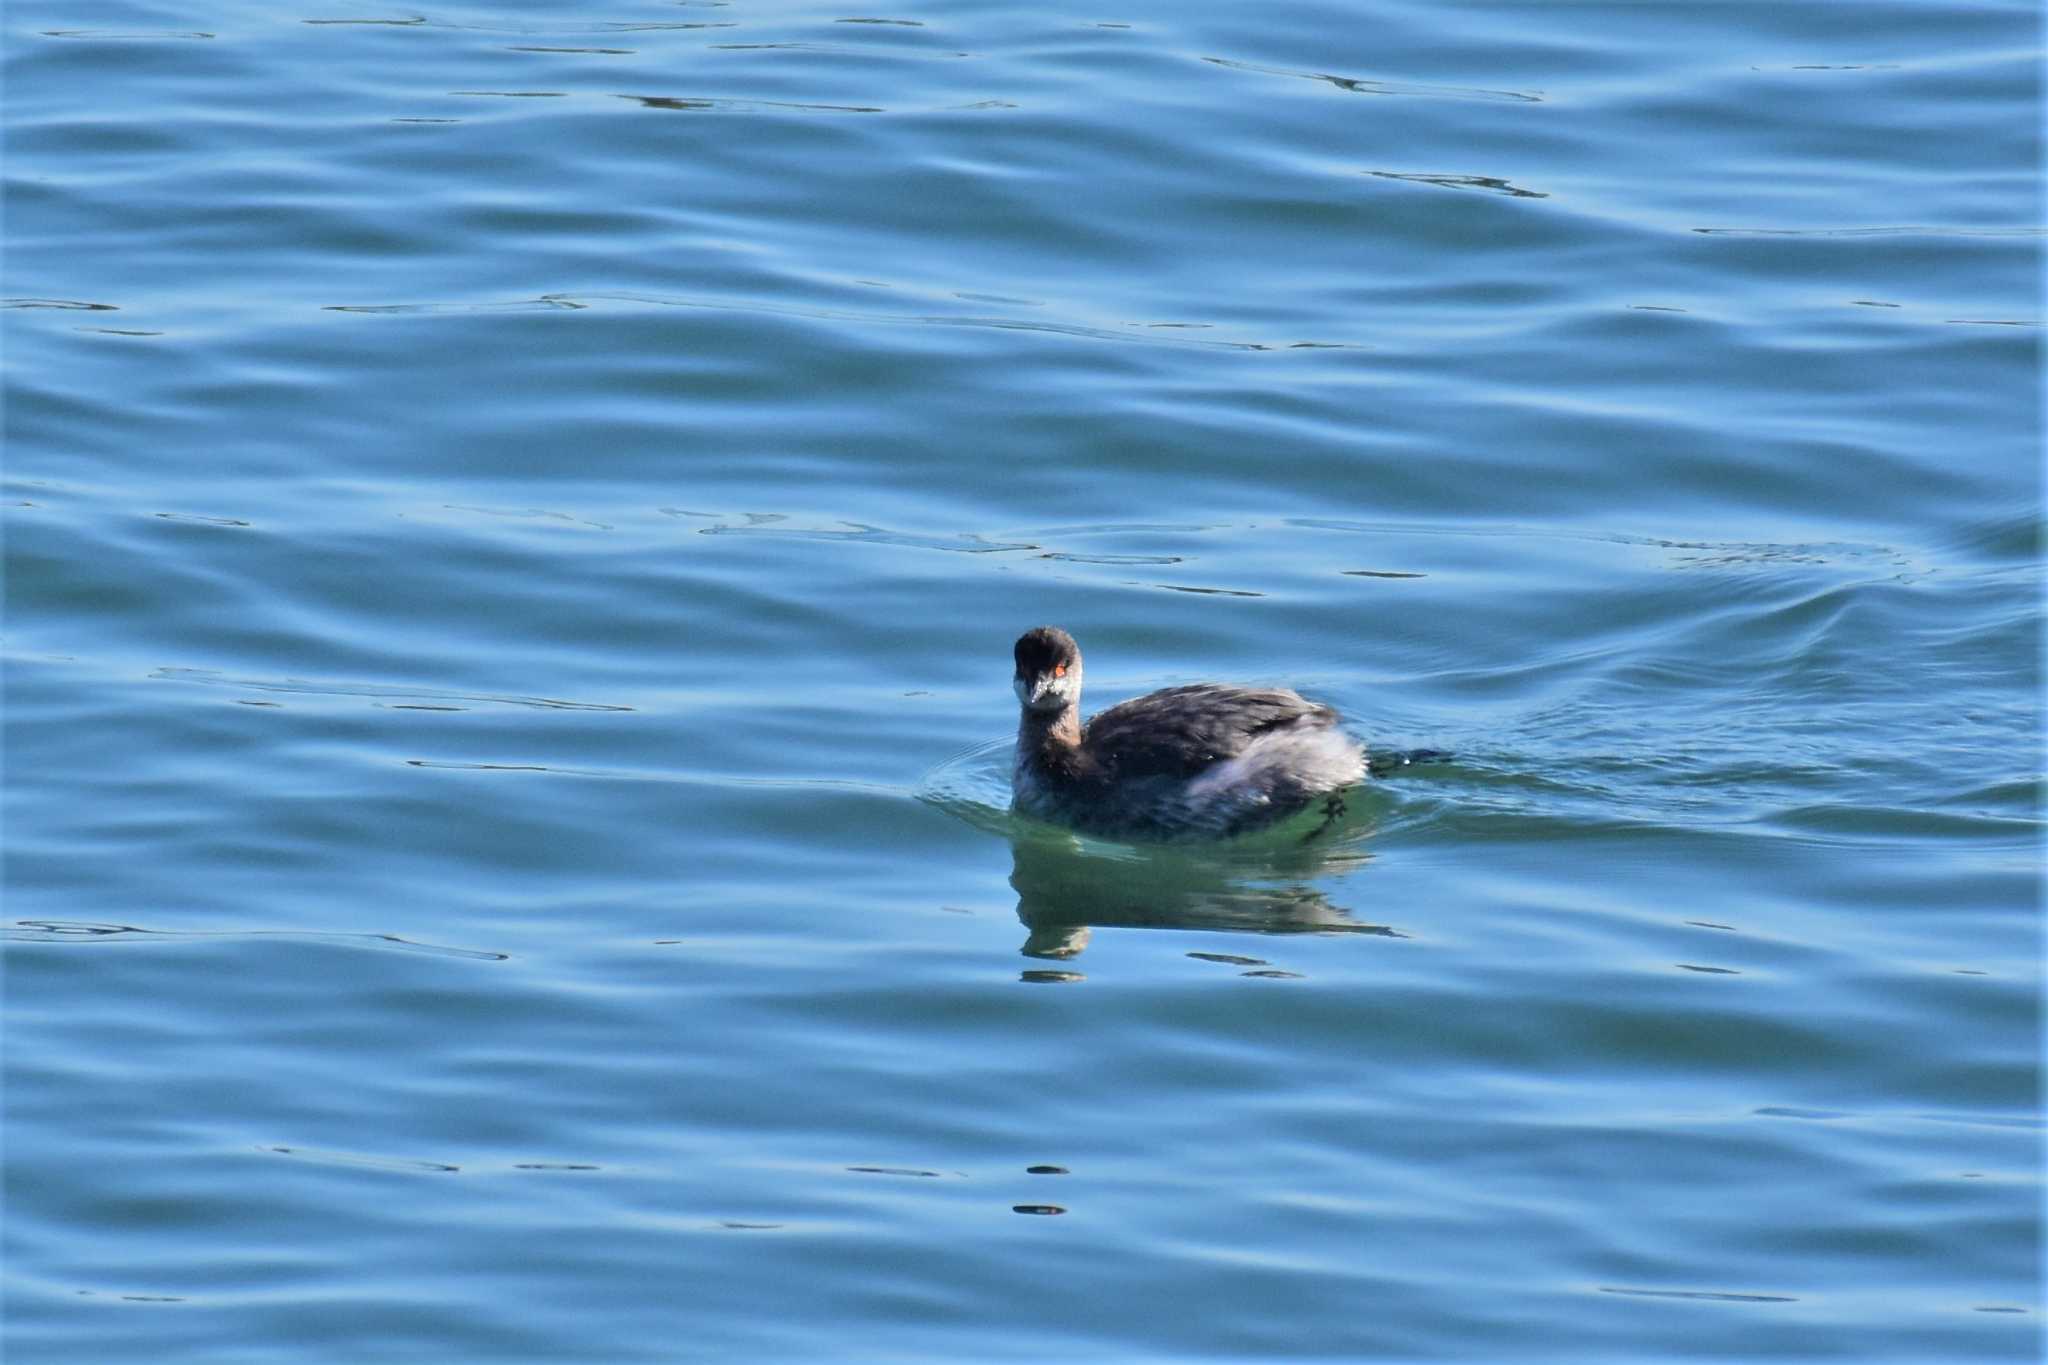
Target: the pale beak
(1046, 693)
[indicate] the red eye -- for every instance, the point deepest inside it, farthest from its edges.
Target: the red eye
(1059, 670)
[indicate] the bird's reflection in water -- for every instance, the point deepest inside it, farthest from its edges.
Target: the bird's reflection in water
(1068, 886)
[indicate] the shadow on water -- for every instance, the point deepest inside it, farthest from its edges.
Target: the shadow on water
(1068, 884)
(1067, 887)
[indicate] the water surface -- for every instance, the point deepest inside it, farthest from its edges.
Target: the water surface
(514, 526)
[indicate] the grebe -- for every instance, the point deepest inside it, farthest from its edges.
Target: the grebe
(1206, 761)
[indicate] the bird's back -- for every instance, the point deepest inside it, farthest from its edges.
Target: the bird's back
(1179, 731)
(1209, 760)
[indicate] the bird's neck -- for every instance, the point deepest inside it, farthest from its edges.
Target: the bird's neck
(1051, 740)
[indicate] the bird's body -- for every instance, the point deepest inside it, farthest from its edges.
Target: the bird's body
(1206, 761)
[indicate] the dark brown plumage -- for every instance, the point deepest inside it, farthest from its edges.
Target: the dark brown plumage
(1206, 760)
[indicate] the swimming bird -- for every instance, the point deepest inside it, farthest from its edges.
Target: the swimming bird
(1205, 761)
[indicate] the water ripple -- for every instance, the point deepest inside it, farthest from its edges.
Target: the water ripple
(151, 36)
(60, 303)
(1946, 231)
(1141, 332)
(210, 678)
(622, 26)
(401, 1165)
(687, 103)
(1464, 182)
(965, 543)
(1718, 1296)
(1376, 87)
(72, 931)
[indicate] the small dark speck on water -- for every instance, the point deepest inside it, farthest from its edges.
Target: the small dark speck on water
(1039, 1210)
(1046, 1170)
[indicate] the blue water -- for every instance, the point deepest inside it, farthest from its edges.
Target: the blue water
(514, 526)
